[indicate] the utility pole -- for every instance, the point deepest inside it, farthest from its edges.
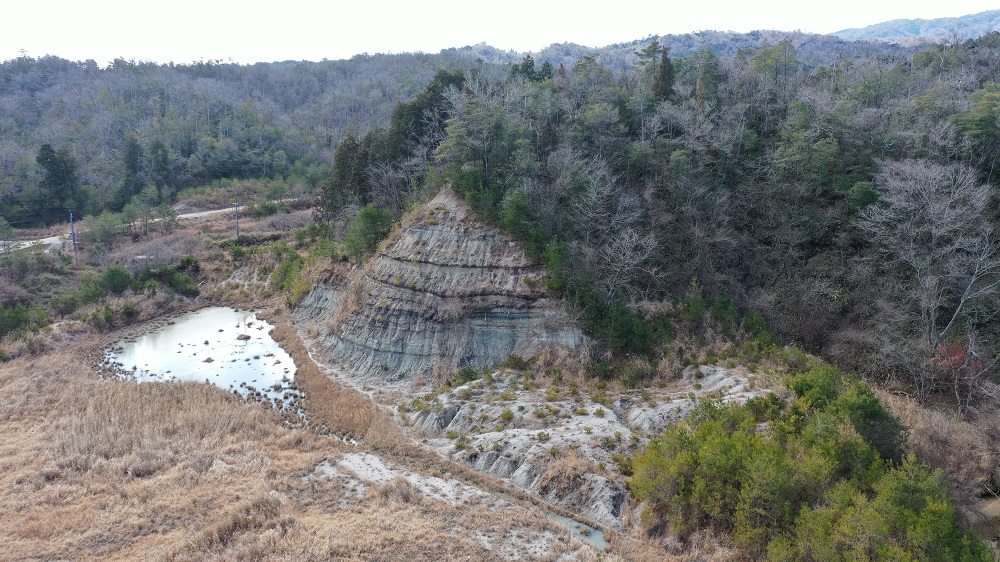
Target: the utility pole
(236, 204)
(72, 235)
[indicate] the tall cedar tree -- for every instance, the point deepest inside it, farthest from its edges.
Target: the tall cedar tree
(663, 80)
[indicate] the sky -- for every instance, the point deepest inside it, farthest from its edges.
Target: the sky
(249, 31)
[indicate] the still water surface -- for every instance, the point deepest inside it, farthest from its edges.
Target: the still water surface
(229, 348)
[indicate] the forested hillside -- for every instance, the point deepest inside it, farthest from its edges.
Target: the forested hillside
(111, 132)
(948, 29)
(842, 191)
(849, 203)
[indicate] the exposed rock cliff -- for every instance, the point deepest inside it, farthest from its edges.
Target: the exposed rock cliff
(444, 292)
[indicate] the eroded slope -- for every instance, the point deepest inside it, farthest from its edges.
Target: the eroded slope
(444, 292)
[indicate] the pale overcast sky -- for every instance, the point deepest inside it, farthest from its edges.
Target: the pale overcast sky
(251, 31)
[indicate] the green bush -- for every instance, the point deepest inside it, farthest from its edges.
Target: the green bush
(116, 279)
(463, 376)
(284, 276)
(21, 319)
(91, 290)
(189, 265)
(725, 314)
(64, 304)
(171, 278)
(825, 479)
(905, 516)
(515, 362)
(369, 227)
(264, 209)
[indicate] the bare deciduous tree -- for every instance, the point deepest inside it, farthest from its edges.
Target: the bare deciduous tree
(932, 223)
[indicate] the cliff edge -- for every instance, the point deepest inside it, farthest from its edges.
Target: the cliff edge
(444, 292)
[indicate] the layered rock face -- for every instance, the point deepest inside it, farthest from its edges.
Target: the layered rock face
(444, 293)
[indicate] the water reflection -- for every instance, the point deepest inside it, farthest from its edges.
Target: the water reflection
(229, 348)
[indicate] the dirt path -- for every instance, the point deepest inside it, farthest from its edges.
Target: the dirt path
(55, 242)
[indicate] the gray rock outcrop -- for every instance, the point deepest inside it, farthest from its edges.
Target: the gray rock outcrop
(445, 292)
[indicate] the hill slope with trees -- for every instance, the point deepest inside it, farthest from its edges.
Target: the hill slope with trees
(959, 28)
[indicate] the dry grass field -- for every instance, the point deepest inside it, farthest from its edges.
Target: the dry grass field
(95, 469)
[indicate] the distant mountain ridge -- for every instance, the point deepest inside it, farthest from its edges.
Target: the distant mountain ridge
(962, 27)
(812, 49)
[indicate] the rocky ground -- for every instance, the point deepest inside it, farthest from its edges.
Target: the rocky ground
(447, 292)
(562, 441)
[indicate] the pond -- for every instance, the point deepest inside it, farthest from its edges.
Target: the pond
(226, 347)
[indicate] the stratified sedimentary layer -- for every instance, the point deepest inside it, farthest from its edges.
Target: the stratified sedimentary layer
(446, 292)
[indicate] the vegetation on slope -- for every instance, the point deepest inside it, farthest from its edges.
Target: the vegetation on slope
(796, 190)
(822, 475)
(846, 204)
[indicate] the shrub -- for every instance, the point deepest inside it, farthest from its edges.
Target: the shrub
(265, 209)
(91, 290)
(21, 319)
(515, 362)
(365, 231)
(116, 279)
(129, 311)
(463, 376)
(189, 265)
(169, 277)
(800, 490)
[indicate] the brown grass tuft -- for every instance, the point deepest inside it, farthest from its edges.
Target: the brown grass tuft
(138, 429)
(399, 490)
(964, 449)
(332, 406)
(350, 302)
(248, 515)
(564, 475)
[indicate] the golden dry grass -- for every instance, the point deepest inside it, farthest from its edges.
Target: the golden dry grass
(965, 450)
(96, 469)
(565, 475)
(332, 406)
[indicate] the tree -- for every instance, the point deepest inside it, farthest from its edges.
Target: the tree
(663, 80)
(338, 191)
(132, 162)
(483, 129)
(646, 58)
(932, 222)
(7, 237)
(525, 69)
(60, 179)
(159, 164)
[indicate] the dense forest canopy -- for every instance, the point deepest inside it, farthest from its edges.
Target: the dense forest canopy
(135, 124)
(850, 202)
